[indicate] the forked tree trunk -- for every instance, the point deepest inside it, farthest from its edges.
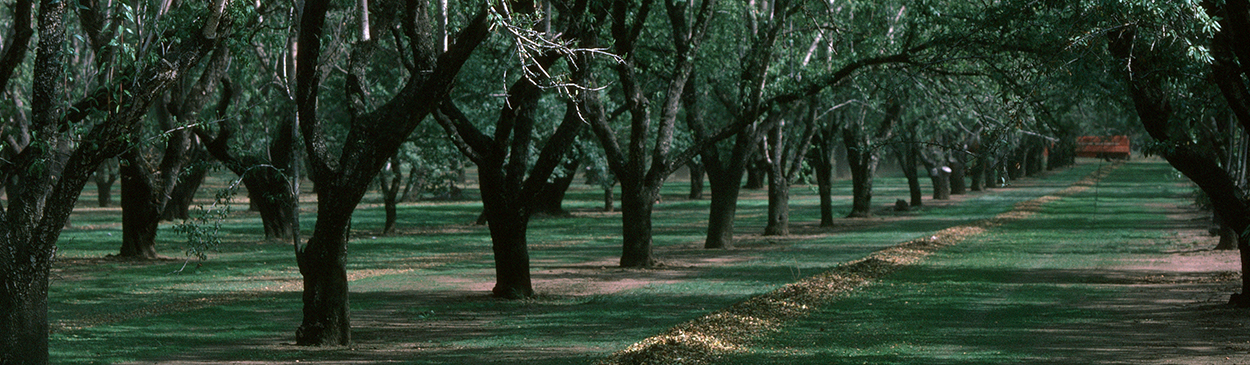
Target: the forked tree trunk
(862, 170)
(270, 192)
(508, 220)
(726, 183)
(823, 164)
(907, 160)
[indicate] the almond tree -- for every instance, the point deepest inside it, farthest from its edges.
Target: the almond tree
(100, 126)
(341, 175)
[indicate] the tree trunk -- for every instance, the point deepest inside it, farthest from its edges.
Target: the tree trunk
(1016, 163)
(24, 320)
(1034, 162)
(778, 204)
(862, 170)
(608, 201)
(636, 204)
(724, 206)
(824, 184)
(959, 165)
(104, 178)
(508, 220)
(823, 164)
(270, 192)
(756, 173)
(941, 177)
(841, 170)
(508, 226)
(1228, 239)
(1146, 87)
(907, 160)
(323, 264)
(550, 200)
(105, 194)
(141, 212)
(726, 182)
(696, 180)
(978, 175)
(389, 180)
(184, 193)
(391, 206)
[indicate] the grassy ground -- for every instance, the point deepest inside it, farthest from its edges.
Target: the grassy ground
(1104, 276)
(421, 296)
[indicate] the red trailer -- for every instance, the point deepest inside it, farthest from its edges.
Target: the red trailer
(1117, 147)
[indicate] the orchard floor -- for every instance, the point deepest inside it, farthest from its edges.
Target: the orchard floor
(1119, 273)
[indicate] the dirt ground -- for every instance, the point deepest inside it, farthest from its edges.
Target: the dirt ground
(1178, 312)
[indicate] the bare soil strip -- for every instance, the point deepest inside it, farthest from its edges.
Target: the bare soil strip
(702, 340)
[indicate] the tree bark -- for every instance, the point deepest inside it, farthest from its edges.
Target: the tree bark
(641, 175)
(778, 205)
(862, 156)
(696, 180)
(323, 265)
(508, 221)
(941, 177)
(907, 161)
(756, 172)
(183, 195)
(726, 183)
(550, 200)
(104, 178)
(823, 164)
(267, 182)
(637, 201)
(958, 177)
(978, 176)
(824, 188)
(140, 210)
(863, 166)
(785, 154)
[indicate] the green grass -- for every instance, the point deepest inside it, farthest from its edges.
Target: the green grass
(110, 312)
(1017, 294)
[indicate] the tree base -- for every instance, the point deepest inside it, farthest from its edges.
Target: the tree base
(1239, 300)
